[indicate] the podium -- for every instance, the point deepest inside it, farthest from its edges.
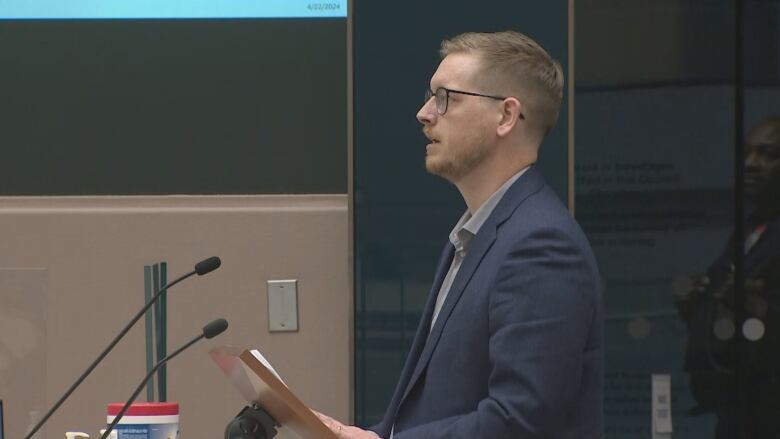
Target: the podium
(260, 385)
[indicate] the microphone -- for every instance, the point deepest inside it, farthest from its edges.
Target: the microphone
(201, 268)
(207, 265)
(211, 330)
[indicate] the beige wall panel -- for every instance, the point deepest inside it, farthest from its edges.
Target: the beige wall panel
(93, 250)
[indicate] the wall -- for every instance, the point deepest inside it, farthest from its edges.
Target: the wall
(72, 274)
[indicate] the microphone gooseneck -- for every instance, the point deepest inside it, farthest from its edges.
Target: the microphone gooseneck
(211, 330)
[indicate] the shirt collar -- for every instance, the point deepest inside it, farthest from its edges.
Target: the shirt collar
(468, 226)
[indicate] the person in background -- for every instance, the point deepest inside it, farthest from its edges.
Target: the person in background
(708, 308)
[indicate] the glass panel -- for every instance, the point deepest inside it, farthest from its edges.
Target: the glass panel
(760, 361)
(23, 300)
(655, 109)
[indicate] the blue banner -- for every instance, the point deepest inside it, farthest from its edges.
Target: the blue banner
(130, 9)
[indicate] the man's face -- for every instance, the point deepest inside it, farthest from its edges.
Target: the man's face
(762, 170)
(463, 137)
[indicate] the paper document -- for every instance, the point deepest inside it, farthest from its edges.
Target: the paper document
(268, 366)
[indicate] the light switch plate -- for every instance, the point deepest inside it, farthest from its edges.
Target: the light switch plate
(283, 305)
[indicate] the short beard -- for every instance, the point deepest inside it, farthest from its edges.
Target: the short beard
(459, 164)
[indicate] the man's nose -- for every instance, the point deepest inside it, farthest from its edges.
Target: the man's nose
(427, 114)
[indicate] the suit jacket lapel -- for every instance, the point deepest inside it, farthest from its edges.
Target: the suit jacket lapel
(422, 333)
(425, 321)
(527, 184)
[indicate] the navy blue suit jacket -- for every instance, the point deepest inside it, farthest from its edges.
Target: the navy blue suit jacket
(517, 350)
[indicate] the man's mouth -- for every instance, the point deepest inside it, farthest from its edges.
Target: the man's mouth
(430, 137)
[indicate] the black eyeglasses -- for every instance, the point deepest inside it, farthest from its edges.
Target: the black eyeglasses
(443, 97)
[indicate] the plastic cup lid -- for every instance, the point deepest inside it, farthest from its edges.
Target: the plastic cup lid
(145, 408)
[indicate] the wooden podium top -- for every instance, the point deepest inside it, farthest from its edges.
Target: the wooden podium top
(257, 383)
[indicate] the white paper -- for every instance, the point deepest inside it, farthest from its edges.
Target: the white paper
(268, 366)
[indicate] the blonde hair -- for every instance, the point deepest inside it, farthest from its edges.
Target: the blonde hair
(514, 64)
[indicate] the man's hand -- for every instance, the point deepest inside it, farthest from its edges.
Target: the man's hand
(756, 302)
(345, 431)
(688, 292)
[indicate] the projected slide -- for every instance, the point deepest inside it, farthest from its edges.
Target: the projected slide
(129, 9)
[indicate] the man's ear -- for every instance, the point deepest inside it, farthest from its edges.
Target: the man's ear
(511, 116)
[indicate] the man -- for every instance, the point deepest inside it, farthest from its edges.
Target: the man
(712, 357)
(510, 344)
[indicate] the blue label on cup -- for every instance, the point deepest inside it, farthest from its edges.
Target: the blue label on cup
(147, 431)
